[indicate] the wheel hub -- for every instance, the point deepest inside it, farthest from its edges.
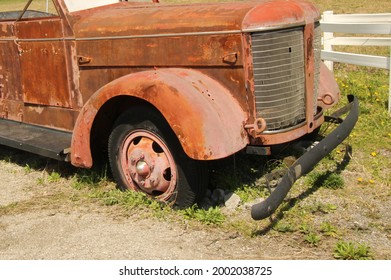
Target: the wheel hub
(143, 169)
(148, 164)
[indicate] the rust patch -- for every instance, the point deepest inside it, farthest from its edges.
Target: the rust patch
(287, 136)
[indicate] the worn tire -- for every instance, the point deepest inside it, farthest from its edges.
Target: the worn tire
(145, 155)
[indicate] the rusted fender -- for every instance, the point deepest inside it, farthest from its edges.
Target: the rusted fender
(329, 92)
(280, 14)
(207, 120)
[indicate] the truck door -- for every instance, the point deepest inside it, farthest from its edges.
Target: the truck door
(9, 62)
(42, 55)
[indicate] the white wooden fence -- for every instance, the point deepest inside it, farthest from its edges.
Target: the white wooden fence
(374, 24)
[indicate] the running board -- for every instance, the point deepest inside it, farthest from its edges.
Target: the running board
(35, 139)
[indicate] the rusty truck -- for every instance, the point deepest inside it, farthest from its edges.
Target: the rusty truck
(164, 88)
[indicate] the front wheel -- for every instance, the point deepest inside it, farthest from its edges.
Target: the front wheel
(146, 156)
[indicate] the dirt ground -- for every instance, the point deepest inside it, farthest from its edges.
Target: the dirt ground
(50, 221)
(66, 230)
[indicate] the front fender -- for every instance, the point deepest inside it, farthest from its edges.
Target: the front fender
(203, 114)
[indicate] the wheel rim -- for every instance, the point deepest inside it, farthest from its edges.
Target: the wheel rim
(148, 164)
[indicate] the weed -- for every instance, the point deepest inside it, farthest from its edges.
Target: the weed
(329, 230)
(111, 200)
(54, 177)
(27, 169)
(41, 181)
(132, 199)
(128, 199)
(212, 216)
(322, 208)
(248, 193)
(284, 227)
(313, 239)
(304, 228)
(352, 251)
(89, 179)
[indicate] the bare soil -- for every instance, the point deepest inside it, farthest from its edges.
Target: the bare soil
(55, 221)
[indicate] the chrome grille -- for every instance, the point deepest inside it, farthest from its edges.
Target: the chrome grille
(279, 77)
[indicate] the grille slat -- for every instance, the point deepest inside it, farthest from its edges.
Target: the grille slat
(271, 66)
(277, 74)
(289, 87)
(278, 61)
(276, 81)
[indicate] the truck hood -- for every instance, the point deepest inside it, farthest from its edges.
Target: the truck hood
(130, 19)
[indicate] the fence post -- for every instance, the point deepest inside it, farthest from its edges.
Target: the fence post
(389, 88)
(327, 38)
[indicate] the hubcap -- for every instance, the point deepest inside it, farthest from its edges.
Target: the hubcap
(143, 169)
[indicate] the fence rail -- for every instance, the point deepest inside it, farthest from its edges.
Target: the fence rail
(370, 24)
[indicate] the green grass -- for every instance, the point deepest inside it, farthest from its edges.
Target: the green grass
(312, 239)
(211, 216)
(352, 251)
(327, 229)
(371, 137)
(329, 180)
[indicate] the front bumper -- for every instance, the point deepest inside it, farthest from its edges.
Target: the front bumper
(307, 161)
